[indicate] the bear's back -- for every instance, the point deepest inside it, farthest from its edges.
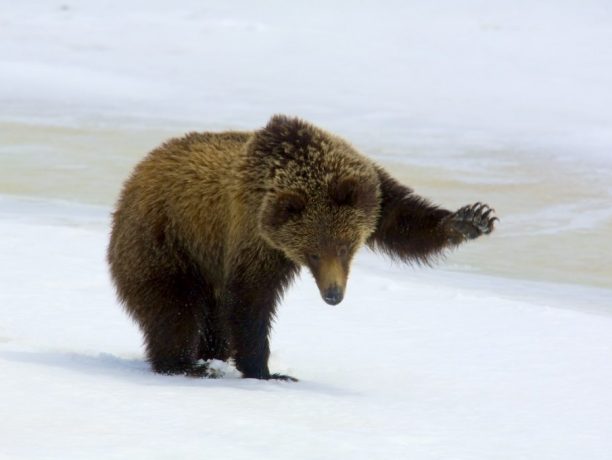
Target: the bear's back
(197, 166)
(180, 193)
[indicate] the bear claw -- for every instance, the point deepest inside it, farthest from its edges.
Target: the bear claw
(282, 377)
(472, 221)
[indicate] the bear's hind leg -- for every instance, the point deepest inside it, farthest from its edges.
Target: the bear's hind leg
(172, 344)
(173, 324)
(214, 335)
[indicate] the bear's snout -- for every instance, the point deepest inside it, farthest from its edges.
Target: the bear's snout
(330, 273)
(333, 295)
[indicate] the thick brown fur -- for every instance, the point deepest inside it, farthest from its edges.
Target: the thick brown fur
(211, 228)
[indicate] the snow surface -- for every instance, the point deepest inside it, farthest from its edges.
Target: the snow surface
(527, 75)
(419, 364)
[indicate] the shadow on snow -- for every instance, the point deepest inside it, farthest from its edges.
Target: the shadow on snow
(138, 372)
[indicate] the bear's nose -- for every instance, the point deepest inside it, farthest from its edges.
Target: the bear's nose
(333, 295)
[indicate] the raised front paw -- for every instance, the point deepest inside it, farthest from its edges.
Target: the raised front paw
(470, 222)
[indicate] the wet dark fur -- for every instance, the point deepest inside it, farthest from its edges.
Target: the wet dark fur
(211, 228)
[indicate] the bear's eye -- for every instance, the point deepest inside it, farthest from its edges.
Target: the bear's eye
(314, 258)
(342, 251)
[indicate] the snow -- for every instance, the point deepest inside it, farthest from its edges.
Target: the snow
(414, 363)
(509, 100)
(467, 73)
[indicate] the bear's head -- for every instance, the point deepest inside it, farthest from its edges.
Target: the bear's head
(321, 199)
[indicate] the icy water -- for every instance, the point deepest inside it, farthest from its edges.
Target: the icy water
(556, 216)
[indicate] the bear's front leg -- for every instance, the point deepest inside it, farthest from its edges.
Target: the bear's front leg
(250, 330)
(252, 296)
(411, 228)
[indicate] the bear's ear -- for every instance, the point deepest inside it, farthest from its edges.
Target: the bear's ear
(344, 192)
(283, 207)
(283, 135)
(353, 192)
(283, 127)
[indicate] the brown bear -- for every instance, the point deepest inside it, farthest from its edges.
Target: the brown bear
(212, 227)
